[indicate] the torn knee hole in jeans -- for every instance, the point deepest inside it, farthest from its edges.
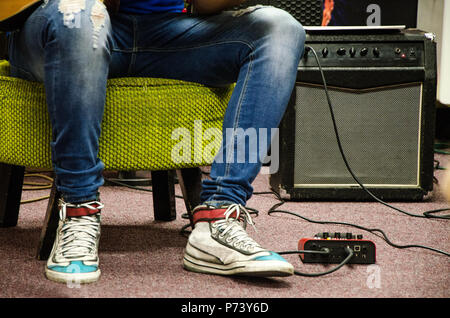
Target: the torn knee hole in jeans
(71, 11)
(98, 17)
(247, 10)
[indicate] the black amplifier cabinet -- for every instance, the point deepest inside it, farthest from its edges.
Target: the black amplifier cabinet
(383, 88)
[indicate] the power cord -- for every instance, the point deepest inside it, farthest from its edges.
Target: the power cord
(324, 251)
(375, 231)
(441, 148)
(438, 165)
(123, 184)
(28, 185)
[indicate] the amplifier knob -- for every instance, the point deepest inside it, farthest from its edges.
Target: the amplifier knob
(364, 51)
(376, 52)
(341, 51)
(352, 52)
(325, 52)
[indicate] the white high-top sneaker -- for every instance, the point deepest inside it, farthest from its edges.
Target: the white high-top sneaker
(220, 245)
(74, 257)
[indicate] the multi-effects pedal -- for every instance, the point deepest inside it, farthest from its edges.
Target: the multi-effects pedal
(364, 251)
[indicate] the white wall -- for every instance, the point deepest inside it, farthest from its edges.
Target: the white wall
(434, 16)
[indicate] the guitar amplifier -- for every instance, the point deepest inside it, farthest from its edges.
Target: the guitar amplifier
(383, 88)
(307, 12)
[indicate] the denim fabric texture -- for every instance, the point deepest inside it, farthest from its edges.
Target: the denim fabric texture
(73, 51)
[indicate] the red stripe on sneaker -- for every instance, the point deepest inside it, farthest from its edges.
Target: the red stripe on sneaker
(83, 211)
(210, 215)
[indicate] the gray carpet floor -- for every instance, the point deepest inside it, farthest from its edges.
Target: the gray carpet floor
(143, 258)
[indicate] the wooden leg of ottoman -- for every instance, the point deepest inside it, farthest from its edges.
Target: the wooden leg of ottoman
(164, 195)
(11, 182)
(190, 180)
(48, 232)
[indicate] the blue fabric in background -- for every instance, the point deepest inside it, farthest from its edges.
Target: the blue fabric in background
(149, 6)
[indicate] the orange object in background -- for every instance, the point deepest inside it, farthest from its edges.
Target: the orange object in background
(328, 7)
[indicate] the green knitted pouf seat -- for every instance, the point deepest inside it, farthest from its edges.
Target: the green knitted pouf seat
(151, 124)
(148, 124)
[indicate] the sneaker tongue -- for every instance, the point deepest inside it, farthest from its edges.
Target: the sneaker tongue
(212, 215)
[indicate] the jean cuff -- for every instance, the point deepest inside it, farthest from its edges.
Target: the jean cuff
(77, 200)
(218, 204)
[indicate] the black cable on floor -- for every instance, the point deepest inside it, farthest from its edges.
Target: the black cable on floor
(375, 231)
(344, 262)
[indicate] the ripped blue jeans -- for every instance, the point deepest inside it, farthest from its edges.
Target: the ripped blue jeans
(74, 46)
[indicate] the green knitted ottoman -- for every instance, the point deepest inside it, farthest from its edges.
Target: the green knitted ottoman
(149, 123)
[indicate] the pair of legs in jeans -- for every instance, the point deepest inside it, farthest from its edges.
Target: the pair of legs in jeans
(74, 49)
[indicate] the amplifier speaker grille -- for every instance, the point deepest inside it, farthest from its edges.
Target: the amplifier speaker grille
(379, 131)
(307, 12)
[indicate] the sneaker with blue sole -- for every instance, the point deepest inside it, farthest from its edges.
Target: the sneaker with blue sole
(74, 257)
(219, 244)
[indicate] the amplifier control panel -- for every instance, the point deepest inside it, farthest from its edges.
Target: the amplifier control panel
(369, 54)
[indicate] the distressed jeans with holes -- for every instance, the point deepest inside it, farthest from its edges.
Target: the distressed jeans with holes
(73, 47)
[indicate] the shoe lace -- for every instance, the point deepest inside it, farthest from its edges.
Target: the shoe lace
(79, 234)
(231, 228)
